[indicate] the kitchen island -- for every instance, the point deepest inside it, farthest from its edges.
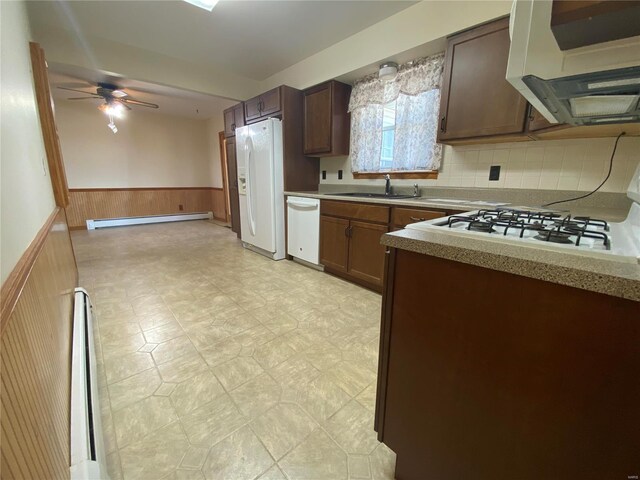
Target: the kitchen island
(506, 361)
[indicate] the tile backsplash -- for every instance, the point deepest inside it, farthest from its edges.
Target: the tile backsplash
(579, 164)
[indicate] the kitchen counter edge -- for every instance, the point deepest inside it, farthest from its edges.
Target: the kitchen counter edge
(610, 277)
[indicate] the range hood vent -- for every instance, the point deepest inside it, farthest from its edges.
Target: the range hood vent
(595, 98)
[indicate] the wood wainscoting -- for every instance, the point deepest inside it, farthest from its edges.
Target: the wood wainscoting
(35, 356)
(98, 203)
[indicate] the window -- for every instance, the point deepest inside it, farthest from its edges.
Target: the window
(394, 124)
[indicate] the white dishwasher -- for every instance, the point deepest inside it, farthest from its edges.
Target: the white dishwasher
(303, 228)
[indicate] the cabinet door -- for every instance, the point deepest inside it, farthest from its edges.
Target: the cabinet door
(238, 116)
(270, 102)
(232, 175)
(366, 254)
(317, 119)
(229, 122)
(476, 99)
(252, 109)
(538, 122)
(334, 242)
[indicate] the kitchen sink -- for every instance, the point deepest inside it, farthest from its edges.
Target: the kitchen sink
(392, 196)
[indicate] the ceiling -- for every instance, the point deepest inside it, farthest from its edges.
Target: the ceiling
(171, 101)
(254, 39)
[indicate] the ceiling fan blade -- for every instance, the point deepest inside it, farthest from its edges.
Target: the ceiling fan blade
(76, 90)
(122, 103)
(140, 103)
(95, 97)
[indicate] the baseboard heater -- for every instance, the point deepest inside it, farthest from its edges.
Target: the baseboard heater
(88, 459)
(121, 222)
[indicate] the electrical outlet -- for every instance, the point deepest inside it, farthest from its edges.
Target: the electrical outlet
(180, 207)
(494, 172)
(324, 174)
(339, 174)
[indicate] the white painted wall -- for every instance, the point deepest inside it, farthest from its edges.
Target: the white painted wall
(420, 24)
(25, 187)
(579, 164)
(149, 150)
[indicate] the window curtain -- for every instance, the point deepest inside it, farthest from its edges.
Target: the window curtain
(416, 91)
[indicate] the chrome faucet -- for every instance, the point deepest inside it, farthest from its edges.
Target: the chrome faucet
(387, 184)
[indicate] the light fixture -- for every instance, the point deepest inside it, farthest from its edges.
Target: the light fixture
(112, 126)
(388, 71)
(204, 4)
(112, 108)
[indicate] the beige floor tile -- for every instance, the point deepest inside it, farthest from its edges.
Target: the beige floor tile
(118, 330)
(294, 372)
(121, 346)
(359, 467)
(240, 456)
(272, 353)
(206, 335)
(367, 398)
(195, 392)
(172, 349)
(383, 463)
(134, 388)
(155, 456)
(237, 371)
(317, 458)
(352, 378)
(253, 337)
(121, 367)
(154, 320)
(136, 421)
(113, 466)
(323, 355)
(221, 352)
(163, 333)
(165, 389)
(321, 398)
(274, 473)
(182, 368)
(194, 458)
(184, 474)
(207, 425)
(257, 395)
(352, 429)
(282, 428)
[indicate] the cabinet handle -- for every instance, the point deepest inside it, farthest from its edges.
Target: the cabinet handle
(443, 124)
(346, 231)
(260, 105)
(416, 219)
(233, 127)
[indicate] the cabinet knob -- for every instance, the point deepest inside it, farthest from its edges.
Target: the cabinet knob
(417, 219)
(233, 127)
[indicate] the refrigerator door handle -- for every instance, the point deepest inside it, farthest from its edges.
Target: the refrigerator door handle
(252, 223)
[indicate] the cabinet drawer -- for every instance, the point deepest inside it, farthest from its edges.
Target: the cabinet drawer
(360, 211)
(404, 216)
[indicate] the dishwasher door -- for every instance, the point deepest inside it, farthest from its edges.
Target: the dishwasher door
(303, 228)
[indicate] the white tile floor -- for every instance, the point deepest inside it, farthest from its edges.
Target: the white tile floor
(218, 363)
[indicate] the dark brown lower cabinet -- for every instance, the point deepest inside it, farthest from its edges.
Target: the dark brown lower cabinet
(366, 254)
(542, 386)
(232, 175)
(334, 242)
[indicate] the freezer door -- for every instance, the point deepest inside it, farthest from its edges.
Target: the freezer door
(256, 175)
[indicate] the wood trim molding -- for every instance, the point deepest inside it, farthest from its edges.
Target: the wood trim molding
(217, 189)
(138, 189)
(431, 174)
(48, 126)
(13, 285)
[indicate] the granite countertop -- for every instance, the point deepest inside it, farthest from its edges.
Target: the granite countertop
(596, 274)
(593, 273)
(611, 213)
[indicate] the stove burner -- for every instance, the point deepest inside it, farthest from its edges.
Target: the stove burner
(480, 226)
(553, 236)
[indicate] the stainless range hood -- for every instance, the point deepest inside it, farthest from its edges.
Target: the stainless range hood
(590, 85)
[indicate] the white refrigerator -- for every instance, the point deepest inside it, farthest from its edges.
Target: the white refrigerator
(261, 187)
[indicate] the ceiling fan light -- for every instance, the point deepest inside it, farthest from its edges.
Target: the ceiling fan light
(113, 109)
(204, 4)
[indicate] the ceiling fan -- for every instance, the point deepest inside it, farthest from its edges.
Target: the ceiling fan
(112, 95)
(115, 100)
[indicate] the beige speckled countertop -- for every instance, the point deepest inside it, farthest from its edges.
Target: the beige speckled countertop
(616, 278)
(602, 275)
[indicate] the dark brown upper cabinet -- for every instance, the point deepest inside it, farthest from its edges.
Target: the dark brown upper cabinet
(327, 119)
(266, 104)
(477, 100)
(233, 118)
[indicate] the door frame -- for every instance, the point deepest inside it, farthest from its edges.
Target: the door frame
(225, 178)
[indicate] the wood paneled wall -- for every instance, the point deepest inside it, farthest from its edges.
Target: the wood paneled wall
(98, 203)
(219, 204)
(35, 360)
